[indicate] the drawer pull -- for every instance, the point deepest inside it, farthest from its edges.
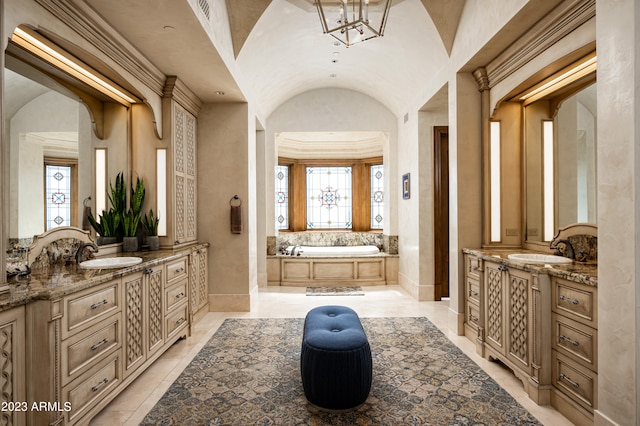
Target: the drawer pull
(180, 295)
(179, 270)
(180, 321)
(148, 271)
(473, 318)
(568, 299)
(502, 268)
(99, 385)
(100, 343)
(566, 339)
(566, 378)
(473, 293)
(98, 304)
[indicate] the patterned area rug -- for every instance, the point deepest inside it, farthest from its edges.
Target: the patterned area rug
(335, 291)
(249, 374)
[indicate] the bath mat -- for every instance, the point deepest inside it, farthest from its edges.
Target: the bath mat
(335, 291)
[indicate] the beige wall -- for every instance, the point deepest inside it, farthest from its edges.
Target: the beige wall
(226, 163)
(618, 23)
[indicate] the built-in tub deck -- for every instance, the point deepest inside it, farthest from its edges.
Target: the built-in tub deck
(333, 266)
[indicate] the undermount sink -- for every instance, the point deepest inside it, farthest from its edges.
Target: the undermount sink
(539, 258)
(110, 262)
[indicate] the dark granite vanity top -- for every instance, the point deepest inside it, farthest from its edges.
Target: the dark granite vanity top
(58, 280)
(585, 273)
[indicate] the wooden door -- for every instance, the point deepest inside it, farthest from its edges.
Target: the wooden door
(441, 213)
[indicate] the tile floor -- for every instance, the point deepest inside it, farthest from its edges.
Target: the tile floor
(130, 407)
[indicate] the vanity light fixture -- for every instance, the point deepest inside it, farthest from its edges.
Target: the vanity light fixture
(564, 78)
(44, 49)
(351, 18)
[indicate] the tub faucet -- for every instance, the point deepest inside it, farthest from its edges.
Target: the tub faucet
(570, 253)
(294, 249)
(80, 251)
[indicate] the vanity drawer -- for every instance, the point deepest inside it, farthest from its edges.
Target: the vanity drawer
(175, 294)
(177, 321)
(87, 307)
(575, 300)
(472, 266)
(578, 383)
(575, 340)
(177, 270)
(93, 386)
(473, 315)
(473, 290)
(84, 348)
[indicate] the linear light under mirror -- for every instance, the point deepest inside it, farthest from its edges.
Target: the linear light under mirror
(571, 143)
(48, 121)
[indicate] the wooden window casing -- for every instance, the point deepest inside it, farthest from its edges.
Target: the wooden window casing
(361, 209)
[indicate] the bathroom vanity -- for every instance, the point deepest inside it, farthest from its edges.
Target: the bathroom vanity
(79, 336)
(540, 320)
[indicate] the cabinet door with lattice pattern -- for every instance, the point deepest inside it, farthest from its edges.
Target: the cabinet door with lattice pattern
(518, 319)
(494, 305)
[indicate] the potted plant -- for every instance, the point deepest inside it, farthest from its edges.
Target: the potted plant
(106, 227)
(118, 199)
(150, 225)
(130, 223)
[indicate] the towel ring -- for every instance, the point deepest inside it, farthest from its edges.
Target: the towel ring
(235, 198)
(84, 203)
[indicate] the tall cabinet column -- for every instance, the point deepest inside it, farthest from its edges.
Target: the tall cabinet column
(180, 109)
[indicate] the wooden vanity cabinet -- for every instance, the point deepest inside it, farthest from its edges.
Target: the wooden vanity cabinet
(12, 359)
(473, 323)
(84, 348)
(516, 325)
(199, 284)
(575, 349)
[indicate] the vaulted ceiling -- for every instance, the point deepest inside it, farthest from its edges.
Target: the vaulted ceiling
(276, 49)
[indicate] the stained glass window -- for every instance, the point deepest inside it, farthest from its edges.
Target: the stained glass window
(329, 198)
(58, 193)
(377, 196)
(282, 197)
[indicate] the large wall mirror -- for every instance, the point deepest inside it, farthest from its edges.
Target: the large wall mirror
(52, 132)
(560, 160)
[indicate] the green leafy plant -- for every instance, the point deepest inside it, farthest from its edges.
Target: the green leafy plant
(131, 221)
(108, 223)
(137, 196)
(118, 195)
(150, 223)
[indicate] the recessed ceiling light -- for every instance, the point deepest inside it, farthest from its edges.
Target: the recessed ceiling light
(219, 93)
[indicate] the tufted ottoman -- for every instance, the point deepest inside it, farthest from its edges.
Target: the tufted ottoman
(335, 360)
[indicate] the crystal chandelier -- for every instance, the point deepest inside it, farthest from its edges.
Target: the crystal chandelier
(355, 20)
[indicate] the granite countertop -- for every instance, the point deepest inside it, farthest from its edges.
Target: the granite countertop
(584, 273)
(58, 280)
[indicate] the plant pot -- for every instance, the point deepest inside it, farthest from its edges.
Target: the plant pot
(103, 241)
(130, 244)
(153, 241)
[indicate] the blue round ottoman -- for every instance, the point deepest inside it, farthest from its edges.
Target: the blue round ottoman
(335, 360)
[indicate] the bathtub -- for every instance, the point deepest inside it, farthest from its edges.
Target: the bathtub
(316, 251)
(333, 267)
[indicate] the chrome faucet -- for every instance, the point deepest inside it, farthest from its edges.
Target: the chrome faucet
(80, 251)
(293, 250)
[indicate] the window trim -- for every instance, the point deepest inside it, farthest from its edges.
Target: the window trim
(361, 206)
